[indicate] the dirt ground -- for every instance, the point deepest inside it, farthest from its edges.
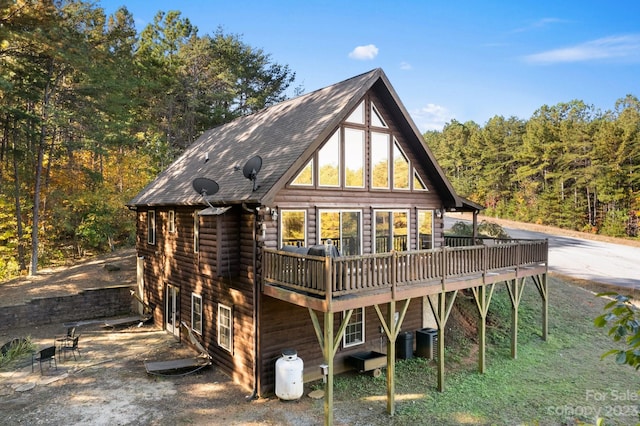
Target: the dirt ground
(108, 384)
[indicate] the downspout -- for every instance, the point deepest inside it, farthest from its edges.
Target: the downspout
(256, 340)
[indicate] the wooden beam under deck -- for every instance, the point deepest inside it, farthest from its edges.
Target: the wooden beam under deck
(379, 297)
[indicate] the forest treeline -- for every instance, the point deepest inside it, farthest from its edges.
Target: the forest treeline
(569, 165)
(91, 110)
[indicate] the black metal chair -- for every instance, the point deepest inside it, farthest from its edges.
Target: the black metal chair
(61, 340)
(71, 345)
(44, 355)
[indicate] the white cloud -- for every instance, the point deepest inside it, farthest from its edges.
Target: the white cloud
(540, 23)
(614, 47)
(364, 53)
(431, 117)
(405, 66)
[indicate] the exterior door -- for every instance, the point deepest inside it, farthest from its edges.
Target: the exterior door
(172, 310)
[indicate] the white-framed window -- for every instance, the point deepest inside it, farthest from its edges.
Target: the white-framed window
(392, 230)
(343, 228)
(305, 177)
(418, 183)
(401, 167)
(172, 221)
(354, 149)
(376, 117)
(379, 160)
(225, 327)
(425, 229)
(293, 228)
(357, 116)
(196, 232)
(329, 162)
(196, 313)
(354, 331)
(151, 227)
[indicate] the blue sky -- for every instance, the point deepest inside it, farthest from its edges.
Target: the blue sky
(462, 60)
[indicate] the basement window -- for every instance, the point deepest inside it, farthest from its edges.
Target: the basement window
(354, 332)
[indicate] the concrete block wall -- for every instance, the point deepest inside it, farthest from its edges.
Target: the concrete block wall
(89, 304)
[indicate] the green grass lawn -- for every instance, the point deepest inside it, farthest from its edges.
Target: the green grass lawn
(561, 381)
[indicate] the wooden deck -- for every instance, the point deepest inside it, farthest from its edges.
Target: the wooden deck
(339, 283)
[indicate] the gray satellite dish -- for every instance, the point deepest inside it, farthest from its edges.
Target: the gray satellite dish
(251, 169)
(205, 187)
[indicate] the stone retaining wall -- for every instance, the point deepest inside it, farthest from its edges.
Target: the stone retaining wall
(89, 304)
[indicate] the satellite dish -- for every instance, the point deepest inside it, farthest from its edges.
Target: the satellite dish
(205, 187)
(251, 169)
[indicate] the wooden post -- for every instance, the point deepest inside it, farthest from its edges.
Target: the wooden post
(391, 358)
(541, 285)
(392, 328)
(441, 312)
(329, 345)
(482, 301)
(328, 359)
(515, 288)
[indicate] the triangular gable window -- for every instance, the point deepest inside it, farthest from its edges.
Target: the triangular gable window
(418, 183)
(401, 167)
(376, 118)
(305, 177)
(357, 116)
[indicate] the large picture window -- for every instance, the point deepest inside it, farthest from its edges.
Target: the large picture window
(354, 331)
(329, 162)
(379, 160)
(343, 227)
(392, 230)
(225, 327)
(354, 158)
(293, 226)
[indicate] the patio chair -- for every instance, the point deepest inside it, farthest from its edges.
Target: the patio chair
(70, 345)
(61, 339)
(44, 355)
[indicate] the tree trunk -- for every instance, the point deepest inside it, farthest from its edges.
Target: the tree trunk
(19, 230)
(36, 203)
(38, 181)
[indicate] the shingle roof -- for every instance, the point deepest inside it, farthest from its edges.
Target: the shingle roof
(284, 135)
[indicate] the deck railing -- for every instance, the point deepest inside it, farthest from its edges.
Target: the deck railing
(355, 274)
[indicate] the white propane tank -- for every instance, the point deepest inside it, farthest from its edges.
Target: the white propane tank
(289, 369)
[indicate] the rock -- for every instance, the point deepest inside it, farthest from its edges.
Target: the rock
(316, 394)
(25, 387)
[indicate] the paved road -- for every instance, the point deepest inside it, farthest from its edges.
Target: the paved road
(585, 259)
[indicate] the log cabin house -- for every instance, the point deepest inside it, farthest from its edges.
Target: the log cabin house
(314, 224)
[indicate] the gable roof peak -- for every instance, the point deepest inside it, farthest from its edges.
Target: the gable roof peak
(283, 135)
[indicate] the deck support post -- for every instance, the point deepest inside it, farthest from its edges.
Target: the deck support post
(541, 285)
(515, 288)
(483, 300)
(392, 329)
(441, 310)
(329, 343)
